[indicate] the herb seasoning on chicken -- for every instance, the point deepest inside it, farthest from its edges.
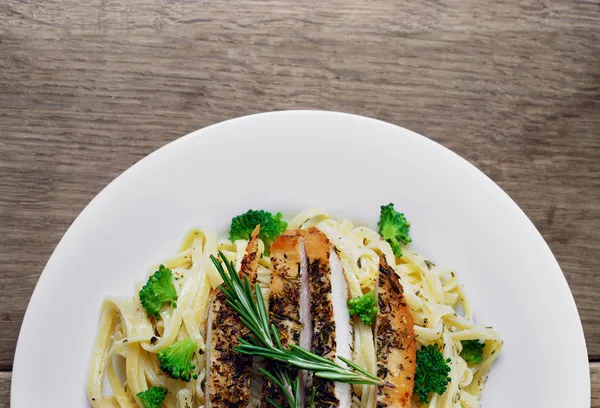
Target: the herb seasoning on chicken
(332, 329)
(229, 372)
(395, 341)
(288, 308)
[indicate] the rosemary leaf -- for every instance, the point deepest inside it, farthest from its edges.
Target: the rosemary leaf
(265, 342)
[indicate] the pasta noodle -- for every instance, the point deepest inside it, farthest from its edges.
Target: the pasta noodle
(441, 310)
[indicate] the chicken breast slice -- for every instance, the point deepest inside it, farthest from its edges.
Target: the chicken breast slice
(331, 323)
(229, 372)
(395, 341)
(288, 309)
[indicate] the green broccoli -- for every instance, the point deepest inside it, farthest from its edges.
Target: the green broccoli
(393, 228)
(152, 397)
(157, 291)
(271, 226)
(176, 360)
(472, 351)
(365, 307)
(432, 372)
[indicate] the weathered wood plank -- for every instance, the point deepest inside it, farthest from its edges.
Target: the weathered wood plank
(5, 389)
(89, 87)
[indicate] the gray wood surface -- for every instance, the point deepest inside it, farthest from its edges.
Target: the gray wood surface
(4, 389)
(88, 87)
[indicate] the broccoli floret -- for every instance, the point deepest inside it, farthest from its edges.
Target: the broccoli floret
(176, 360)
(271, 226)
(472, 351)
(157, 291)
(393, 227)
(365, 307)
(432, 372)
(152, 397)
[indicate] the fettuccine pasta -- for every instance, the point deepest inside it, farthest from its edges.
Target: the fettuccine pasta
(127, 343)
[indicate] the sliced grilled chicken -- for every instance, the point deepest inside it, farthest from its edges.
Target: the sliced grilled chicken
(286, 303)
(395, 341)
(229, 372)
(331, 325)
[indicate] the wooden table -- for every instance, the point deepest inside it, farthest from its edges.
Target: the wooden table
(88, 87)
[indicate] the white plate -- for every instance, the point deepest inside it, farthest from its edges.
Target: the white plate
(288, 161)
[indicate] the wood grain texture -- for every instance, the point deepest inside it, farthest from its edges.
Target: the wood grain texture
(88, 87)
(5, 389)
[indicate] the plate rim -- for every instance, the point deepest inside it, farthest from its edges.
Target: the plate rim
(16, 372)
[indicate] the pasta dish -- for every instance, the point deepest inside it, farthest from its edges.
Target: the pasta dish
(309, 311)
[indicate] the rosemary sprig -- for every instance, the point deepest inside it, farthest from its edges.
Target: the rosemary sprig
(250, 306)
(282, 377)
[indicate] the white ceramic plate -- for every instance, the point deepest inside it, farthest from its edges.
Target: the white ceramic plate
(288, 161)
